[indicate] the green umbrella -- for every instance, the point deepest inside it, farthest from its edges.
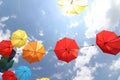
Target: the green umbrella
(3, 62)
(9, 65)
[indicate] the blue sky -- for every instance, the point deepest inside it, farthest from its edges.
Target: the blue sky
(44, 21)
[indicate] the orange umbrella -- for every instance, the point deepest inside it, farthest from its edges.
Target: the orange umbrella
(33, 52)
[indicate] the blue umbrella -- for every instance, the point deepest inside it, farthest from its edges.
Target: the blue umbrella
(23, 73)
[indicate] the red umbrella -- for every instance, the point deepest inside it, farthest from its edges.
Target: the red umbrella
(108, 42)
(8, 75)
(6, 47)
(66, 49)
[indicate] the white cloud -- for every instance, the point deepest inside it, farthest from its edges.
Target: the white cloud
(100, 65)
(16, 58)
(5, 35)
(104, 14)
(115, 64)
(41, 33)
(3, 19)
(37, 68)
(13, 16)
(83, 72)
(43, 12)
(32, 38)
(74, 24)
(2, 25)
(18, 54)
(58, 76)
(87, 54)
(110, 75)
(118, 78)
(59, 64)
(1, 2)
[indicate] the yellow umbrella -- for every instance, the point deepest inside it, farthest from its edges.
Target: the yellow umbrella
(72, 6)
(33, 52)
(43, 79)
(19, 38)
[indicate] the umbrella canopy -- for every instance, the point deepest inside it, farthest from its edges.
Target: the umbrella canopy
(23, 73)
(9, 64)
(8, 75)
(19, 38)
(72, 6)
(108, 42)
(66, 49)
(12, 55)
(4, 64)
(6, 47)
(33, 52)
(43, 79)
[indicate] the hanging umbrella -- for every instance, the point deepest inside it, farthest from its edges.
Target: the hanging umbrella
(33, 52)
(72, 6)
(108, 42)
(66, 49)
(8, 75)
(19, 38)
(43, 79)
(9, 65)
(4, 64)
(6, 47)
(23, 73)
(12, 55)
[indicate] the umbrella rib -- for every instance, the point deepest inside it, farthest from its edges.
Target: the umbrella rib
(71, 43)
(31, 46)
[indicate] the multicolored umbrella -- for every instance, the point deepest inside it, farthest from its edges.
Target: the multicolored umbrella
(6, 47)
(72, 6)
(8, 75)
(33, 52)
(43, 79)
(108, 42)
(66, 49)
(23, 73)
(19, 38)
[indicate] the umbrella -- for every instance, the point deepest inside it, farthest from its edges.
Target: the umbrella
(43, 79)
(33, 52)
(12, 55)
(9, 64)
(8, 75)
(108, 42)
(72, 6)
(6, 47)
(19, 38)
(4, 64)
(66, 49)
(23, 73)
